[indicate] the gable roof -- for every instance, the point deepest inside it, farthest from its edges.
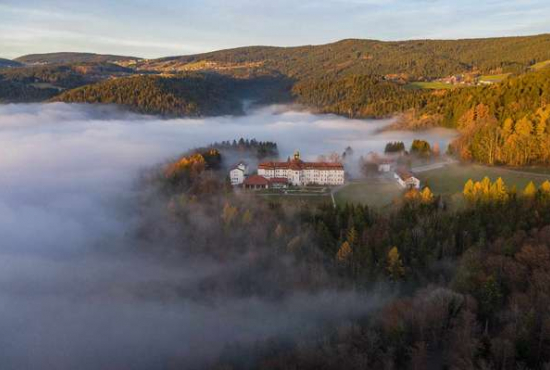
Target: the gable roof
(256, 180)
(404, 174)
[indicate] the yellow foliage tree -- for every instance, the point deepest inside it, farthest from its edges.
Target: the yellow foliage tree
(412, 195)
(247, 217)
(545, 188)
(499, 192)
(530, 190)
(426, 195)
(469, 191)
(344, 253)
(395, 265)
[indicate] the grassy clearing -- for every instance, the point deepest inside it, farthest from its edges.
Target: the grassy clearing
(540, 65)
(376, 193)
(450, 180)
(435, 85)
(494, 78)
(296, 199)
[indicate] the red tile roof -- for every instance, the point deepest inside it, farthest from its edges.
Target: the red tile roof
(299, 165)
(256, 180)
(404, 174)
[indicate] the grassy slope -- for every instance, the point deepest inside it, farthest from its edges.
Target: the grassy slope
(451, 179)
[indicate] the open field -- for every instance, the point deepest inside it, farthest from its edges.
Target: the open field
(374, 192)
(451, 179)
(435, 85)
(494, 78)
(540, 65)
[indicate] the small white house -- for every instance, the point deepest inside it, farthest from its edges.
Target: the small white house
(406, 179)
(385, 165)
(238, 173)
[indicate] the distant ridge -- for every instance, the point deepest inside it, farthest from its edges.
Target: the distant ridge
(69, 57)
(9, 63)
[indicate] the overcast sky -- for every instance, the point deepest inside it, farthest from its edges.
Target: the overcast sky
(158, 28)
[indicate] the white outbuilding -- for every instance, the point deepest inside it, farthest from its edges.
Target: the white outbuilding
(238, 173)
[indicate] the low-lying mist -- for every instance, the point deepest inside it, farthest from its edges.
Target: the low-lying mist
(76, 292)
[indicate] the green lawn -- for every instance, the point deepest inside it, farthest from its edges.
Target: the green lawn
(494, 78)
(296, 199)
(541, 65)
(435, 85)
(376, 193)
(450, 180)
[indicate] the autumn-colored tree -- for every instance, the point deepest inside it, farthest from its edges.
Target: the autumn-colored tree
(352, 237)
(469, 191)
(530, 190)
(247, 217)
(344, 253)
(395, 265)
(412, 195)
(229, 214)
(545, 189)
(499, 193)
(426, 195)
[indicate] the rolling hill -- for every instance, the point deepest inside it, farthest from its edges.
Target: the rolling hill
(189, 95)
(69, 58)
(9, 63)
(415, 60)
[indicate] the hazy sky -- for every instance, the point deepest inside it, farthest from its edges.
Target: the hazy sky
(173, 27)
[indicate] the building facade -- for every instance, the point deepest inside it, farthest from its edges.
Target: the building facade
(406, 179)
(238, 173)
(300, 173)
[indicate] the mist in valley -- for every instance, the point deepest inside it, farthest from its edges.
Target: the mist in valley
(78, 290)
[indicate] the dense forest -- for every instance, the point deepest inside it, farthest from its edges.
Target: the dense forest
(6, 63)
(357, 96)
(464, 288)
(70, 58)
(506, 123)
(187, 95)
(417, 59)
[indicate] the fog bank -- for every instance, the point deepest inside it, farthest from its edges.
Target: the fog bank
(71, 294)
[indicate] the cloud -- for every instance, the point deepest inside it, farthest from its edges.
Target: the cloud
(168, 27)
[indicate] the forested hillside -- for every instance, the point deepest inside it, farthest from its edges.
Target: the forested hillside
(418, 59)
(192, 94)
(358, 96)
(461, 288)
(8, 63)
(507, 123)
(69, 58)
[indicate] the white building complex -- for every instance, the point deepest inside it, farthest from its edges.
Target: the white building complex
(301, 173)
(238, 173)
